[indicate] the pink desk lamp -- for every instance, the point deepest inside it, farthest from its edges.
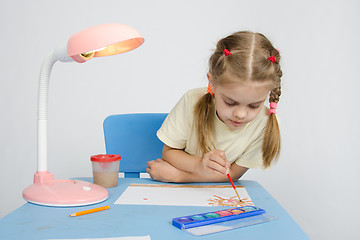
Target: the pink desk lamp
(97, 41)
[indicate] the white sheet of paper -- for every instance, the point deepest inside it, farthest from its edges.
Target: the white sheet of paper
(114, 238)
(184, 195)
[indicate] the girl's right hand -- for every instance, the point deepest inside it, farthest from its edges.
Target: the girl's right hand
(215, 162)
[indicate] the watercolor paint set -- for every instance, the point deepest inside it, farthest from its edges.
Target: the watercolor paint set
(202, 219)
(221, 220)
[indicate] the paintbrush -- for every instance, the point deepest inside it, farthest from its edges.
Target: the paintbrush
(232, 183)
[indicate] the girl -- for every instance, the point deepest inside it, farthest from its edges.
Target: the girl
(225, 129)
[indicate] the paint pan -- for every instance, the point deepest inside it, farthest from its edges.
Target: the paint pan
(221, 220)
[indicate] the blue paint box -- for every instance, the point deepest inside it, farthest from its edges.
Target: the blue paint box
(202, 219)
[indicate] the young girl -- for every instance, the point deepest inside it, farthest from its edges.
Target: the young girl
(225, 129)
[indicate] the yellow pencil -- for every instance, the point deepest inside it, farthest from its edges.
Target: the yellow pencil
(89, 211)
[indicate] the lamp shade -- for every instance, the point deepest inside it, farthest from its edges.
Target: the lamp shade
(103, 40)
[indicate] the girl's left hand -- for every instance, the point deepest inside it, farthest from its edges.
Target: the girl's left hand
(161, 170)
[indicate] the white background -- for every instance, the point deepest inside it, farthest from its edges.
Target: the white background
(317, 177)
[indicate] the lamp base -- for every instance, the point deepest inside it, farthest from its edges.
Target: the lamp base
(63, 193)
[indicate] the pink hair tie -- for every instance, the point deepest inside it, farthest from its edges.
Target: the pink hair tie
(272, 59)
(226, 52)
(273, 106)
(272, 111)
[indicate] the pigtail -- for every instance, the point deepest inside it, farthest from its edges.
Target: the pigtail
(204, 112)
(271, 144)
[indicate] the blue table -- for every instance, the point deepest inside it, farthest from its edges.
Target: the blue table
(31, 221)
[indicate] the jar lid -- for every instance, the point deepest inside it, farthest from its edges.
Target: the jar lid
(105, 158)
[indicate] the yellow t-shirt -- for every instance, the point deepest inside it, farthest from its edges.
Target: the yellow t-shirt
(242, 146)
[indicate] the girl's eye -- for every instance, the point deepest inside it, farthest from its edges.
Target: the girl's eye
(230, 103)
(254, 107)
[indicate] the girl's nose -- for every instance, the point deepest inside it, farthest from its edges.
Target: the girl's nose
(240, 113)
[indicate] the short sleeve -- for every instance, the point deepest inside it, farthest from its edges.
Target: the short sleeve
(176, 127)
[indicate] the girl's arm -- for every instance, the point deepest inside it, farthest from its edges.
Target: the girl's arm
(179, 166)
(212, 162)
(235, 173)
(181, 160)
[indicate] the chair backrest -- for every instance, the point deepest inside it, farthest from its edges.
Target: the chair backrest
(133, 136)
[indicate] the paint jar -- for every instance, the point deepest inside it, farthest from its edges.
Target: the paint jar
(106, 169)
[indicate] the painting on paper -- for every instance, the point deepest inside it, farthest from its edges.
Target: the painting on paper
(184, 195)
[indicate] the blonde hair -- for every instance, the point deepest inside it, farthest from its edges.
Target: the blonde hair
(248, 61)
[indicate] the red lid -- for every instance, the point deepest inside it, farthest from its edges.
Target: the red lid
(105, 158)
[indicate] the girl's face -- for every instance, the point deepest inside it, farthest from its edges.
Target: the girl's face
(239, 103)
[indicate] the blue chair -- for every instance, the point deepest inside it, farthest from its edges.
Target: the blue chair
(133, 136)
